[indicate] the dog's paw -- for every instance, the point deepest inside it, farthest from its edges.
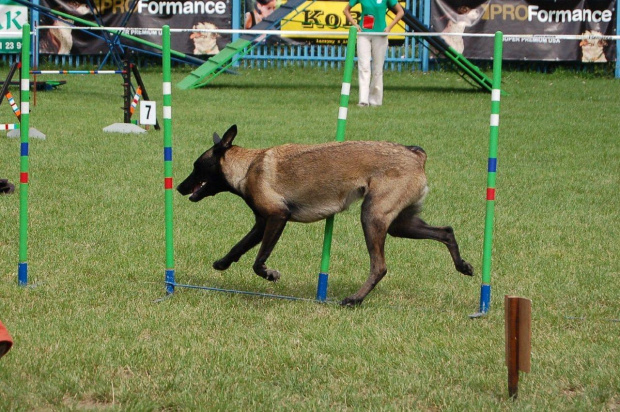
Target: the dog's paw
(272, 275)
(466, 268)
(221, 264)
(351, 302)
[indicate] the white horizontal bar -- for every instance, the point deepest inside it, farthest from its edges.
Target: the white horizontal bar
(157, 31)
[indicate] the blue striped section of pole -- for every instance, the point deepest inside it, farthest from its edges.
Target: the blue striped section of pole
(321, 292)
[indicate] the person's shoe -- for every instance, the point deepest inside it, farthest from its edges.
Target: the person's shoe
(361, 104)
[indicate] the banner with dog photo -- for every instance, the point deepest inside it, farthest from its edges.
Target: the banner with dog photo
(153, 14)
(567, 17)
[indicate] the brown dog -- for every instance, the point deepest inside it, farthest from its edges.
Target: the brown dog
(307, 183)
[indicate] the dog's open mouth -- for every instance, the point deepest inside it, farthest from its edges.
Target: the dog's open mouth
(199, 192)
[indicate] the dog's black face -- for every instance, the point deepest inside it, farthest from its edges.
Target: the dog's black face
(207, 178)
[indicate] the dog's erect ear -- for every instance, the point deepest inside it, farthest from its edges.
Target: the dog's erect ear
(229, 136)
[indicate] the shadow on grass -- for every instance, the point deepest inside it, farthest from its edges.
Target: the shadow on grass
(314, 86)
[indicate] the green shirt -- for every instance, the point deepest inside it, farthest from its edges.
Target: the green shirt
(376, 9)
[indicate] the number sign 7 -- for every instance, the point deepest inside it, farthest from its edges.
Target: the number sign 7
(148, 112)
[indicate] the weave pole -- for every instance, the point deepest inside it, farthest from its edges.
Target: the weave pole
(167, 109)
(22, 267)
(321, 291)
(485, 290)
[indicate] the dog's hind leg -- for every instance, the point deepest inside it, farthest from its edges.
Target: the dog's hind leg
(250, 240)
(375, 224)
(408, 225)
(273, 230)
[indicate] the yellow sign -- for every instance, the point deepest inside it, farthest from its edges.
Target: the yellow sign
(326, 15)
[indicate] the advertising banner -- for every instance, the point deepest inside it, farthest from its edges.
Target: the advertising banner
(12, 19)
(145, 15)
(567, 17)
(326, 15)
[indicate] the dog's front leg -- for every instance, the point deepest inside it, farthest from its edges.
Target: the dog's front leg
(273, 230)
(250, 240)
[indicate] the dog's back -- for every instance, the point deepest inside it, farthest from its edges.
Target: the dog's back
(317, 181)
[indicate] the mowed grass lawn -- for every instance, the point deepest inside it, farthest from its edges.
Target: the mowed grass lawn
(89, 334)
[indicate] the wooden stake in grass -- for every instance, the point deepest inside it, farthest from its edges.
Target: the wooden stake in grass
(518, 315)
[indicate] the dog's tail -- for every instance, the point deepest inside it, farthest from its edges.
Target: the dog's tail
(418, 151)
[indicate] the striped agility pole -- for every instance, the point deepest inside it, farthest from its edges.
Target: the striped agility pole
(22, 267)
(485, 290)
(321, 292)
(168, 185)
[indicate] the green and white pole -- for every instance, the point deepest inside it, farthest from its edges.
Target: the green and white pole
(321, 292)
(22, 267)
(485, 291)
(168, 183)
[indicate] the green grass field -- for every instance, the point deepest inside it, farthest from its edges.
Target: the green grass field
(90, 336)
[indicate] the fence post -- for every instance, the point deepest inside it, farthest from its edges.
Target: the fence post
(424, 48)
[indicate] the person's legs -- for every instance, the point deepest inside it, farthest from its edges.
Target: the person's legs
(363, 67)
(379, 48)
